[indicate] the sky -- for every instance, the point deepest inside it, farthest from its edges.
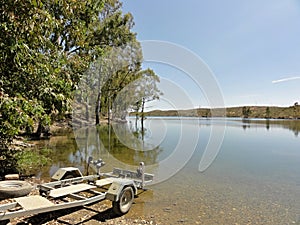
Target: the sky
(251, 47)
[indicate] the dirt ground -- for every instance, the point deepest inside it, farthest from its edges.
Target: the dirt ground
(98, 213)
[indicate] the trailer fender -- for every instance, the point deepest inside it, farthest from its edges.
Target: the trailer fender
(116, 188)
(66, 173)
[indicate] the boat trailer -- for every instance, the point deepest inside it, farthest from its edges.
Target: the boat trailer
(119, 186)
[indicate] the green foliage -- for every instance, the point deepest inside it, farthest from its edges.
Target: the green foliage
(246, 111)
(7, 160)
(115, 82)
(46, 46)
(32, 160)
(16, 115)
(146, 89)
(44, 49)
(19, 114)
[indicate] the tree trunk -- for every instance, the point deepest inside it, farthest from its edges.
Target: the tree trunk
(108, 111)
(136, 119)
(137, 113)
(42, 130)
(97, 110)
(87, 115)
(142, 114)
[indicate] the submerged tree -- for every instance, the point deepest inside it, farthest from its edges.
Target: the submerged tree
(146, 91)
(105, 79)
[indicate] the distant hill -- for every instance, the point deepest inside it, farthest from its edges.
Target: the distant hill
(272, 112)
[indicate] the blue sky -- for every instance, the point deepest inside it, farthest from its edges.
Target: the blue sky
(252, 47)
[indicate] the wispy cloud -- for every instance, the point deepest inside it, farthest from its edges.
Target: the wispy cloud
(285, 79)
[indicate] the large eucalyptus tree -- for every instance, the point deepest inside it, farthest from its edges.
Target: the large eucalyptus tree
(45, 48)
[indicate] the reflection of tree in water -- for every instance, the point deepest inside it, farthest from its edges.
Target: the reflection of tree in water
(118, 142)
(128, 145)
(64, 152)
(267, 124)
(292, 125)
(246, 123)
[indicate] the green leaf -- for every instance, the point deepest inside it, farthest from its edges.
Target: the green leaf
(34, 3)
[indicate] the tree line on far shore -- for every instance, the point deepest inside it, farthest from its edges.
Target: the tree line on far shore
(266, 112)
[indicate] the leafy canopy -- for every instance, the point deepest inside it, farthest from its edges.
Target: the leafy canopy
(45, 48)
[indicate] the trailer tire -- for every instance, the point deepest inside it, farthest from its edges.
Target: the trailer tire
(124, 204)
(14, 188)
(4, 222)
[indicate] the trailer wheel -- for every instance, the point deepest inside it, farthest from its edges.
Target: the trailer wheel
(124, 204)
(4, 222)
(14, 188)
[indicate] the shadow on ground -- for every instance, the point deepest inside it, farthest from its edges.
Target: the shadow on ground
(97, 215)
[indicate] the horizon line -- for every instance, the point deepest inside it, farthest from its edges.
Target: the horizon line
(232, 106)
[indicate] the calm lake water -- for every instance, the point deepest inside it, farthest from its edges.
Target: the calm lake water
(253, 178)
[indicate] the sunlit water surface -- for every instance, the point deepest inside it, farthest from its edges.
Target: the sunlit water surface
(254, 178)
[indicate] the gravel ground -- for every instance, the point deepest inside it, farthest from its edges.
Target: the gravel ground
(99, 213)
(213, 203)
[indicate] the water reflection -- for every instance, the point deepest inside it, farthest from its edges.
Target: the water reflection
(292, 125)
(164, 147)
(125, 145)
(106, 142)
(256, 171)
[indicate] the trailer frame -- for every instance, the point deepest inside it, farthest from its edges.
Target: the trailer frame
(121, 188)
